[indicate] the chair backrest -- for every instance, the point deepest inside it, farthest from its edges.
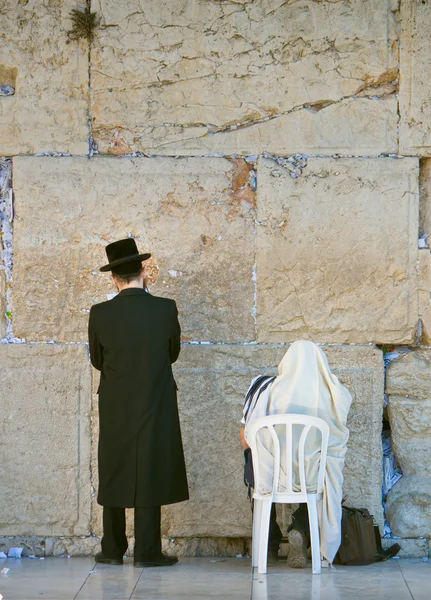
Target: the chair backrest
(288, 421)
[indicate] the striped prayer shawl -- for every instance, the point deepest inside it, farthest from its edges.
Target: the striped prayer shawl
(258, 385)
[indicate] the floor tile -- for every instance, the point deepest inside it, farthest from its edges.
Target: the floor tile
(51, 579)
(110, 583)
(197, 579)
(417, 575)
(380, 582)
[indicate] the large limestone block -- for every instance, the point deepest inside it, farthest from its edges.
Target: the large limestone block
(415, 61)
(196, 216)
(337, 250)
(191, 77)
(424, 280)
(48, 111)
(2, 302)
(212, 383)
(425, 198)
(409, 388)
(409, 507)
(45, 440)
(410, 420)
(410, 375)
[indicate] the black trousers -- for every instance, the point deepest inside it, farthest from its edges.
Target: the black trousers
(148, 541)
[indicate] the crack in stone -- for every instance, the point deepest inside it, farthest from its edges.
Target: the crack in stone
(314, 107)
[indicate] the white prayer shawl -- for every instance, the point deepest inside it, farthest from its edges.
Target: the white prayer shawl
(305, 385)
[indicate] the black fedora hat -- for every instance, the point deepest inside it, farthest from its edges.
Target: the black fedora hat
(123, 257)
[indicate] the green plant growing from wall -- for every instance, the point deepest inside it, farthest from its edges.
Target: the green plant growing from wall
(84, 24)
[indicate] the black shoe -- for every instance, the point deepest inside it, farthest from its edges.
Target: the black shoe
(101, 558)
(156, 561)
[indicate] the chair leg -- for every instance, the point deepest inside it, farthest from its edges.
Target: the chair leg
(263, 536)
(314, 534)
(257, 515)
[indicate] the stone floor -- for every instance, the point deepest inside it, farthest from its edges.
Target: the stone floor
(202, 578)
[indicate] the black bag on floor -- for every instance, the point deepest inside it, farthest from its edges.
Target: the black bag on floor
(361, 543)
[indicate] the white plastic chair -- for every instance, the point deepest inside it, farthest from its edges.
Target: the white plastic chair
(263, 502)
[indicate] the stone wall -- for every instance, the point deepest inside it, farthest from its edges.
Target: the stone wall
(275, 159)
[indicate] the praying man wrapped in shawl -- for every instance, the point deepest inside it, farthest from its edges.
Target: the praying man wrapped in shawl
(305, 385)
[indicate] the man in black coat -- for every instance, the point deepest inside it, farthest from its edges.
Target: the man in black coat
(134, 338)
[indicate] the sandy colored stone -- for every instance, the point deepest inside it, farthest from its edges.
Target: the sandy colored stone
(424, 280)
(2, 301)
(409, 507)
(45, 450)
(426, 326)
(409, 387)
(89, 545)
(425, 198)
(212, 382)
(410, 375)
(410, 420)
(415, 61)
(195, 77)
(48, 111)
(410, 548)
(337, 250)
(357, 126)
(198, 228)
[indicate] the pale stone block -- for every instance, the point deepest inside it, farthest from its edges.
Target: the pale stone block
(45, 450)
(426, 326)
(358, 126)
(202, 546)
(408, 384)
(189, 77)
(410, 548)
(410, 420)
(409, 506)
(2, 302)
(424, 280)
(196, 216)
(410, 375)
(415, 61)
(337, 250)
(212, 383)
(425, 198)
(48, 111)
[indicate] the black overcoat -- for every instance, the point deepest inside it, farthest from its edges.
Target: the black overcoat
(134, 338)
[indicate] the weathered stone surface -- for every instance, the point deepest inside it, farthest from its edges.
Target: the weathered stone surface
(203, 546)
(425, 198)
(89, 545)
(337, 250)
(409, 387)
(410, 548)
(426, 326)
(410, 375)
(196, 216)
(212, 382)
(409, 507)
(206, 76)
(410, 420)
(48, 111)
(45, 449)
(415, 60)
(424, 280)
(2, 301)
